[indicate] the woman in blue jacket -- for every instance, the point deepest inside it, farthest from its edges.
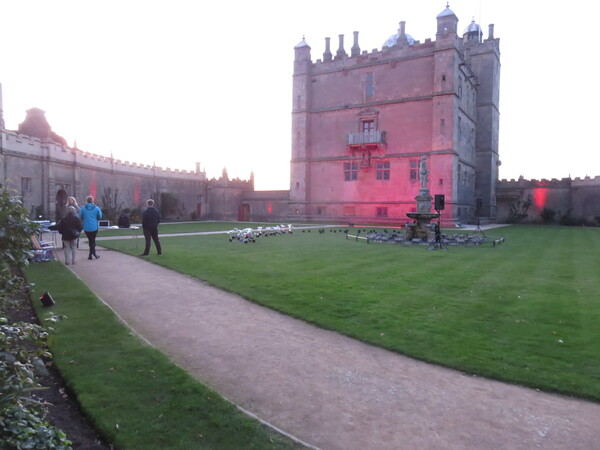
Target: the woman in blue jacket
(90, 214)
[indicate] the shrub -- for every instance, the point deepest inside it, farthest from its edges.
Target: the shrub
(22, 345)
(518, 211)
(25, 428)
(548, 215)
(15, 243)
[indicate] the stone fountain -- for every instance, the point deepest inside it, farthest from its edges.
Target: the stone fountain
(421, 227)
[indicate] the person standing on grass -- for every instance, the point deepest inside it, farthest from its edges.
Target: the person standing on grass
(150, 221)
(69, 227)
(90, 214)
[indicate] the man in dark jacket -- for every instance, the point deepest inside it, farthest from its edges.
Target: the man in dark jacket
(150, 221)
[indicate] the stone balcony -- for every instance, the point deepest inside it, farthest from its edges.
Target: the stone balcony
(373, 140)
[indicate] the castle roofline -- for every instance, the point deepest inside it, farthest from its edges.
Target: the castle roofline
(447, 12)
(303, 43)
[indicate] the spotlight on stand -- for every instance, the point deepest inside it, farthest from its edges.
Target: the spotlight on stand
(47, 299)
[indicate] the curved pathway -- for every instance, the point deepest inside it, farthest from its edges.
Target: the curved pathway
(327, 390)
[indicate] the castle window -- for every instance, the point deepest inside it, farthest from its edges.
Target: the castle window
(321, 210)
(25, 184)
(383, 170)
(369, 88)
(382, 211)
(350, 171)
(414, 170)
(368, 130)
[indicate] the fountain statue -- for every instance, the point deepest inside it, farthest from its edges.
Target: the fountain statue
(421, 227)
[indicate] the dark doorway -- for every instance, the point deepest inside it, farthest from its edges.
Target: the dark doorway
(61, 204)
(244, 213)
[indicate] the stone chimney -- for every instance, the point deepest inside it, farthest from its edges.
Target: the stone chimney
(341, 53)
(327, 56)
(491, 31)
(355, 51)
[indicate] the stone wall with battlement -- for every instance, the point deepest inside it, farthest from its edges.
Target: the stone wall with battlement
(376, 56)
(43, 173)
(566, 200)
(18, 144)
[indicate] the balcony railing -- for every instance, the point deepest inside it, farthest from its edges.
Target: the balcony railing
(363, 138)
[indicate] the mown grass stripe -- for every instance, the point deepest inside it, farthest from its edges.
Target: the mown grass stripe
(485, 310)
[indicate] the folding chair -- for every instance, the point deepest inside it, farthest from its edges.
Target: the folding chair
(42, 250)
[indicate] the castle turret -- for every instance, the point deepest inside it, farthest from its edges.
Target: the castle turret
(447, 23)
(484, 60)
(299, 167)
(472, 32)
(302, 58)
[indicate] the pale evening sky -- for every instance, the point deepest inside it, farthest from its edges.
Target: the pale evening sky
(183, 81)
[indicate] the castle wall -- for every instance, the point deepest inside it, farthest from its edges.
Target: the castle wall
(267, 206)
(43, 174)
(224, 202)
(571, 200)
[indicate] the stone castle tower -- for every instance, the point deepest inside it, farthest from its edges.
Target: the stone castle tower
(362, 121)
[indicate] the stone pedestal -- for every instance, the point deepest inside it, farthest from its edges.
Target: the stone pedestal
(421, 227)
(424, 199)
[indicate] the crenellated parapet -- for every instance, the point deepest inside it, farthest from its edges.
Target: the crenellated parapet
(565, 200)
(549, 183)
(31, 147)
(374, 57)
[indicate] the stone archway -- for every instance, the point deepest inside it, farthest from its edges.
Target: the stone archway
(61, 204)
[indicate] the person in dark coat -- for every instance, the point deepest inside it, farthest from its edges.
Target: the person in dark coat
(150, 221)
(69, 227)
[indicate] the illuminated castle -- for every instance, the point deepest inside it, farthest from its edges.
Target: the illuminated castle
(362, 121)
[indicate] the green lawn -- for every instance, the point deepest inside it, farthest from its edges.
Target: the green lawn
(526, 312)
(134, 395)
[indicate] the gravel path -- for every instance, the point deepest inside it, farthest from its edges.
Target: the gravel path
(327, 390)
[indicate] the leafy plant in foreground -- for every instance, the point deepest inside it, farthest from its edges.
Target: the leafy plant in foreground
(22, 345)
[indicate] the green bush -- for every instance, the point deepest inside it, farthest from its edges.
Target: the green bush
(548, 215)
(22, 345)
(25, 428)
